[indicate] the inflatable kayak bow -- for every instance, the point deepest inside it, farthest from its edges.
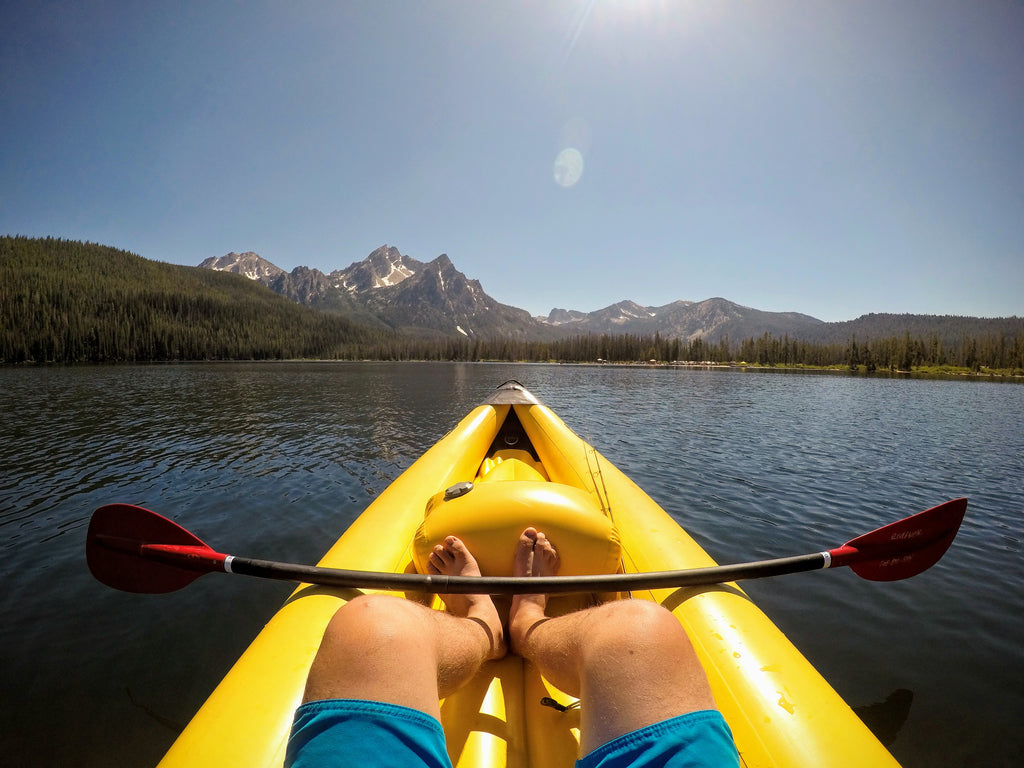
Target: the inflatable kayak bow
(511, 463)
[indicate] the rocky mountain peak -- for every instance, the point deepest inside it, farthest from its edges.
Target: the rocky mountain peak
(383, 268)
(250, 264)
(440, 283)
(562, 316)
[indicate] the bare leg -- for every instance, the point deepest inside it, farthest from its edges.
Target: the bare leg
(388, 649)
(630, 661)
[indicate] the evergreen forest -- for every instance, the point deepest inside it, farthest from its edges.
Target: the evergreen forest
(1000, 354)
(65, 301)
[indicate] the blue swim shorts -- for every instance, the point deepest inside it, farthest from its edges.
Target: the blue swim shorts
(694, 740)
(337, 733)
(348, 732)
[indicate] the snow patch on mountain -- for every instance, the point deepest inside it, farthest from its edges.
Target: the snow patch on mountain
(390, 278)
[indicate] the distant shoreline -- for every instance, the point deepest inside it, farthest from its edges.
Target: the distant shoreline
(945, 372)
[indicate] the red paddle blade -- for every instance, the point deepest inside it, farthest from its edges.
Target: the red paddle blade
(135, 550)
(904, 548)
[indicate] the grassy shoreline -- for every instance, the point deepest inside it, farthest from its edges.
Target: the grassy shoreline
(920, 371)
(923, 371)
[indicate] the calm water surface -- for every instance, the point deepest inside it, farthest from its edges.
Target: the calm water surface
(275, 461)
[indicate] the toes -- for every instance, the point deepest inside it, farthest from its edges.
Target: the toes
(523, 561)
(452, 557)
(549, 561)
(455, 546)
(440, 558)
(544, 545)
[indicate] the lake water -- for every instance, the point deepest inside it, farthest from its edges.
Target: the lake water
(275, 460)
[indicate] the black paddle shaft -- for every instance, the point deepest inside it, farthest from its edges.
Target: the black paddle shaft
(511, 585)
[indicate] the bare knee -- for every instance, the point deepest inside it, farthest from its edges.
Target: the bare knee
(636, 612)
(619, 624)
(373, 619)
(635, 634)
(375, 607)
(365, 644)
(635, 655)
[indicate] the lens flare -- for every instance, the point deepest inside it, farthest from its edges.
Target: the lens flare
(568, 167)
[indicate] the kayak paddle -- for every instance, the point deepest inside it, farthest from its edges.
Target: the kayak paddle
(135, 550)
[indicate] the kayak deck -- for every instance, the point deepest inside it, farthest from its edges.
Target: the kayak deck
(526, 467)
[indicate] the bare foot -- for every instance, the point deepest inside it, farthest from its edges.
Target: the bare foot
(535, 556)
(453, 558)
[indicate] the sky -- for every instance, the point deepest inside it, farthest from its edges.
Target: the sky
(829, 158)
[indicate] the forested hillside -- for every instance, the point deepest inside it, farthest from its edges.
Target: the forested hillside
(67, 301)
(950, 330)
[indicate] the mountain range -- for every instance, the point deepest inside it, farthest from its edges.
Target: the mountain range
(389, 290)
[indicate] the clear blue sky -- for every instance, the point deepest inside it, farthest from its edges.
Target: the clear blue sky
(832, 158)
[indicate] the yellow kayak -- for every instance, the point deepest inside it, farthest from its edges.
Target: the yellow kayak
(526, 467)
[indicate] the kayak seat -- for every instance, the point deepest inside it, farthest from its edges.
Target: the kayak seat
(490, 516)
